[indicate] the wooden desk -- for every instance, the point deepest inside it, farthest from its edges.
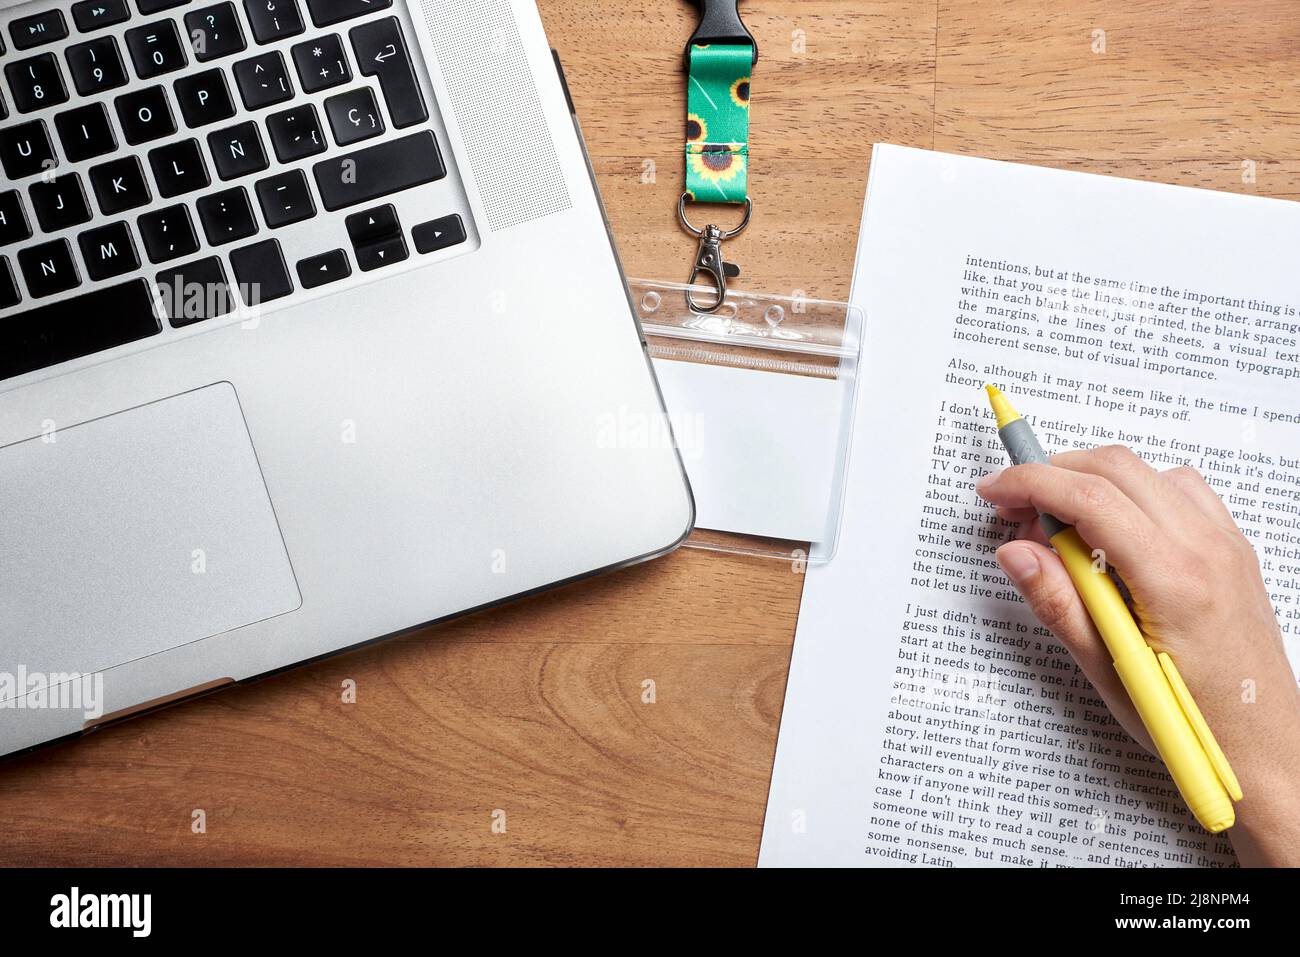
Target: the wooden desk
(536, 709)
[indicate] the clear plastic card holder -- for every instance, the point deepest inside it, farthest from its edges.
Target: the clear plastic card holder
(761, 396)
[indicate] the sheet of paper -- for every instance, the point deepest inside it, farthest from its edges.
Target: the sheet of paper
(928, 719)
(759, 447)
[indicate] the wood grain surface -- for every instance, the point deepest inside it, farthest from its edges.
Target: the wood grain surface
(536, 710)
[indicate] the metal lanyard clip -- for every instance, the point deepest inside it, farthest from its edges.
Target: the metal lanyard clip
(709, 258)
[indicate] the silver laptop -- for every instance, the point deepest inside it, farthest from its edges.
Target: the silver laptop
(311, 332)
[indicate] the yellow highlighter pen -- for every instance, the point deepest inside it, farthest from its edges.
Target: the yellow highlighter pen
(1183, 739)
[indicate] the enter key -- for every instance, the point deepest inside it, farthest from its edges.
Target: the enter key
(382, 52)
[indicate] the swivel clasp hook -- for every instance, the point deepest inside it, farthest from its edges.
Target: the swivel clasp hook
(709, 258)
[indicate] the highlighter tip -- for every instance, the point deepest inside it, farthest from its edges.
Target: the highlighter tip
(1002, 408)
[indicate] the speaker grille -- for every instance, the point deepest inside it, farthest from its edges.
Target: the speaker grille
(500, 115)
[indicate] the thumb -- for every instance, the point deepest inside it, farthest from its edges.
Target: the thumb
(1039, 575)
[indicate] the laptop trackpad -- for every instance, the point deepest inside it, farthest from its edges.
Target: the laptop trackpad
(135, 533)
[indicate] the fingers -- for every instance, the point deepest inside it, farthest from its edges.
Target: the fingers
(1172, 498)
(1127, 471)
(1040, 577)
(1016, 516)
(1192, 484)
(1027, 525)
(1105, 517)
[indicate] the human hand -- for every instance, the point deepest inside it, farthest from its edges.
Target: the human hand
(1197, 593)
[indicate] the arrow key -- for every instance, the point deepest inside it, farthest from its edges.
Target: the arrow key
(323, 269)
(372, 225)
(439, 234)
(384, 252)
(376, 236)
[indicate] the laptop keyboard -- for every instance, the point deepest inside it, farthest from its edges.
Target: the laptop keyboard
(174, 162)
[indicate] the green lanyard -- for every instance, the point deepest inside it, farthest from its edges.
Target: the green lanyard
(717, 123)
(719, 59)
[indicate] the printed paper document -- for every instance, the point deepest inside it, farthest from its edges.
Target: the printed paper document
(929, 720)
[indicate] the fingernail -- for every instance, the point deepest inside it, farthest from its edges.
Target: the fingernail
(987, 481)
(1020, 564)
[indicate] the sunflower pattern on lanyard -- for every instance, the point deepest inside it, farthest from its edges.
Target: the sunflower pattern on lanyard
(717, 124)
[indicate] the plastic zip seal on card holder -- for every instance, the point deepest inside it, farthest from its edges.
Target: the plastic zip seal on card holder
(760, 395)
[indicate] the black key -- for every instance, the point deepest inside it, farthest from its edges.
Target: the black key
(48, 268)
(273, 20)
(178, 168)
(439, 234)
(261, 273)
(194, 292)
(376, 236)
(237, 151)
(40, 28)
(157, 6)
(59, 202)
(26, 150)
(145, 115)
(36, 83)
(93, 14)
(227, 216)
(372, 225)
(14, 227)
(321, 63)
(9, 295)
(326, 268)
(354, 116)
(214, 32)
(119, 185)
(285, 199)
(385, 252)
(325, 12)
(382, 52)
(296, 134)
(4, 110)
(156, 49)
(96, 66)
(263, 80)
(108, 251)
(204, 98)
(167, 234)
(85, 132)
(379, 170)
(76, 327)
